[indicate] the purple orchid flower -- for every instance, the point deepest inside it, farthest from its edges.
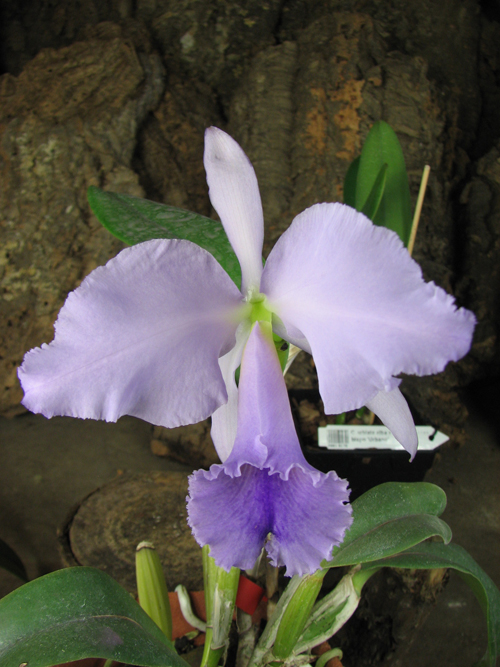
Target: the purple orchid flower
(159, 331)
(266, 489)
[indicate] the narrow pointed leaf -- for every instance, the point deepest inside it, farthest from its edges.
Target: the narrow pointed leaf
(372, 204)
(297, 613)
(430, 555)
(79, 613)
(135, 220)
(394, 500)
(391, 518)
(268, 637)
(350, 183)
(11, 562)
(382, 146)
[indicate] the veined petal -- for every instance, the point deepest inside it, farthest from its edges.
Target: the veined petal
(266, 489)
(225, 418)
(393, 411)
(354, 292)
(141, 336)
(234, 193)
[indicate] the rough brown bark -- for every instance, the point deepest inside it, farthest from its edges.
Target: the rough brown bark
(67, 122)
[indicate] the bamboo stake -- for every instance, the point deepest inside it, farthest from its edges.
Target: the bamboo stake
(418, 208)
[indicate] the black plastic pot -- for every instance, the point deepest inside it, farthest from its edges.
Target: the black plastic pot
(364, 468)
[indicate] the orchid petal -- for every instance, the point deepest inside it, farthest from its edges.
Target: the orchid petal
(393, 411)
(225, 418)
(354, 292)
(266, 485)
(141, 336)
(234, 193)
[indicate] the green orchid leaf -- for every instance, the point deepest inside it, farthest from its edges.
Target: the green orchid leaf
(391, 538)
(11, 562)
(350, 183)
(394, 500)
(134, 220)
(389, 519)
(79, 613)
(372, 204)
(430, 555)
(382, 147)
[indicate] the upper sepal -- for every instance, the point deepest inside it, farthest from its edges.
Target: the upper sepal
(234, 193)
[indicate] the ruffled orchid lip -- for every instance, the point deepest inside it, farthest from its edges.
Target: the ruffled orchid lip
(266, 493)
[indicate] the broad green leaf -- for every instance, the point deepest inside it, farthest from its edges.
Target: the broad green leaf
(350, 183)
(79, 613)
(376, 193)
(382, 146)
(135, 220)
(391, 518)
(394, 500)
(11, 562)
(390, 538)
(430, 555)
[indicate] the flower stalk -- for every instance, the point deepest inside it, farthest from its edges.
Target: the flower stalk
(221, 588)
(297, 613)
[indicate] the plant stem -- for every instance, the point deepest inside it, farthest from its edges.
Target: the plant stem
(211, 656)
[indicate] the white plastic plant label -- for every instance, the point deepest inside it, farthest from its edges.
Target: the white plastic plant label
(346, 437)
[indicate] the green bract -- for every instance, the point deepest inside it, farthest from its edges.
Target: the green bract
(152, 587)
